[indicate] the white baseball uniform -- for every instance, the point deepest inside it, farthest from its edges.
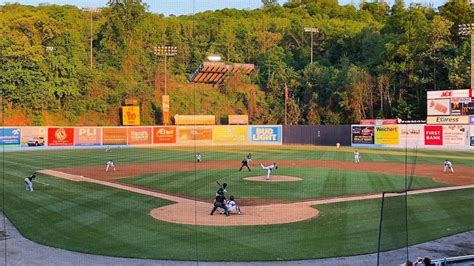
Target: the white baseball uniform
(448, 165)
(198, 157)
(110, 164)
(268, 168)
(29, 182)
(356, 157)
(232, 206)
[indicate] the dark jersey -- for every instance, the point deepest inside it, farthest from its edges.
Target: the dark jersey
(31, 177)
(220, 198)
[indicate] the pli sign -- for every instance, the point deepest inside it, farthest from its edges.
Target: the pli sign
(266, 134)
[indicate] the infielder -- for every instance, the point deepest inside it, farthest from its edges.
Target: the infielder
(246, 161)
(110, 164)
(448, 165)
(107, 149)
(29, 182)
(198, 157)
(356, 157)
(232, 206)
(269, 169)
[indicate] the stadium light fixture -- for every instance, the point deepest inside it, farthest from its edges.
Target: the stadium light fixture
(165, 51)
(466, 30)
(214, 58)
(312, 31)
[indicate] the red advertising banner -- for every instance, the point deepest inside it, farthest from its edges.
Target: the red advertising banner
(87, 136)
(378, 122)
(164, 135)
(114, 136)
(60, 136)
(139, 135)
(433, 135)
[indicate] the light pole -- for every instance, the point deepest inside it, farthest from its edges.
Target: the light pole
(311, 30)
(91, 11)
(165, 51)
(467, 29)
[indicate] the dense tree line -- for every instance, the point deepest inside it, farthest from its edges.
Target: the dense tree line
(375, 61)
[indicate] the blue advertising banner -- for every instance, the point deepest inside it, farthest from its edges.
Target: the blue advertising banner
(471, 119)
(10, 136)
(472, 141)
(265, 134)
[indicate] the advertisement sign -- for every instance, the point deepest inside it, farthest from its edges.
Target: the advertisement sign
(87, 136)
(194, 134)
(164, 135)
(139, 135)
(471, 119)
(10, 136)
(34, 136)
(462, 106)
(265, 134)
(166, 109)
(386, 135)
(230, 134)
(448, 94)
(378, 122)
(60, 136)
(238, 119)
(195, 119)
(114, 136)
(439, 107)
(454, 135)
(130, 115)
(447, 120)
(471, 134)
(411, 134)
(433, 135)
(363, 135)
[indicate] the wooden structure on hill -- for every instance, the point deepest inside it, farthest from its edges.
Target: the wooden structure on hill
(216, 72)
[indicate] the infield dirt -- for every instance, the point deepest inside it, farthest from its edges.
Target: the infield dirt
(256, 211)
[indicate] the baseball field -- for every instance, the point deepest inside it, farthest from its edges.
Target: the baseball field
(318, 204)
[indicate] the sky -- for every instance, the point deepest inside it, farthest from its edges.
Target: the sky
(186, 7)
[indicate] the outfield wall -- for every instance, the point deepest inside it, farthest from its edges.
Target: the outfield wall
(320, 135)
(380, 136)
(54, 136)
(411, 136)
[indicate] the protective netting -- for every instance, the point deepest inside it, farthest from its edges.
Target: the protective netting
(393, 233)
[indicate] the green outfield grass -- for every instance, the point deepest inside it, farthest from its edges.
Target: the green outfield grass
(102, 220)
(317, 183)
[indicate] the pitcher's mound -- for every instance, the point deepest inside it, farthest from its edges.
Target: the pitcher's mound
(274, 178)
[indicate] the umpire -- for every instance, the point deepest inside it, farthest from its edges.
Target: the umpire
(219, 202)
(245, 162)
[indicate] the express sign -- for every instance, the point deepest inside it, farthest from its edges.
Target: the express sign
(449, 94)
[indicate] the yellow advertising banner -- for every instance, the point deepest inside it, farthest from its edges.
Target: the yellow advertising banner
(230, 134)
(387, 135)
(166, 109)
(238, 119)
(131, 115)
(194, 134)
(195, 119)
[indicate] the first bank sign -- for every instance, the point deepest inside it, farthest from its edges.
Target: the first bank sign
(267, 134)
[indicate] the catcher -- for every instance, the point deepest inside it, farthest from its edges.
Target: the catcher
(232, 206)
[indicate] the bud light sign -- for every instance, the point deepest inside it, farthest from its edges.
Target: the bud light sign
(265, 134)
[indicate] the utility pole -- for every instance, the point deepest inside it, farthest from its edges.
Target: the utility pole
(466, 30)
(311, 30)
